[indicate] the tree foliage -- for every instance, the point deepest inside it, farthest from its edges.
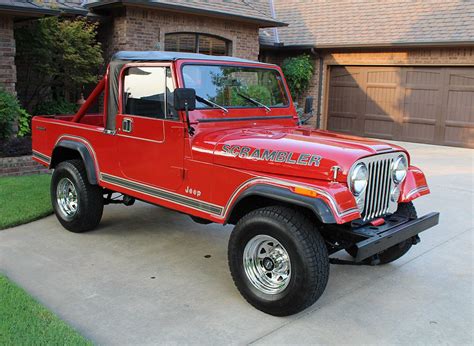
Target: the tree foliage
(59, 56)
(298, 73)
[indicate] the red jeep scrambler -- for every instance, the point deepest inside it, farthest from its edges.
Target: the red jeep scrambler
(218, 138)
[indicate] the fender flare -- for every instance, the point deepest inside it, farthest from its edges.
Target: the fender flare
(319, 207)
(86, 156)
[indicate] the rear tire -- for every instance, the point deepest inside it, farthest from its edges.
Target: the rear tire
(286, 260)
(78, 205)
(395, 252)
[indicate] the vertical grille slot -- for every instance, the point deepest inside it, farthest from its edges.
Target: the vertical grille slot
(377, 195)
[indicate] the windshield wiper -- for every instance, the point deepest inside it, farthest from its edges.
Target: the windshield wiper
(210, 103)
(255, 102)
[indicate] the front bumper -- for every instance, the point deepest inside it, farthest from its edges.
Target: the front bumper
(393, 231)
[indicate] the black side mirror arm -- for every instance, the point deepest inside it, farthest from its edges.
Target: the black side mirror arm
(190, 128)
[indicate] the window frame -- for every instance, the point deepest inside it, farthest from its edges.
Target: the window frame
(285, 88)
(228, 43)
(121, 101)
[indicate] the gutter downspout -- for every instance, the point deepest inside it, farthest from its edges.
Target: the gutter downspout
(320, 87)
(275, 29)
(320, 92)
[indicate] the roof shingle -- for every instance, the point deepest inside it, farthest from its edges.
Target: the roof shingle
(257, 11)
(346, 23)
(43, 7)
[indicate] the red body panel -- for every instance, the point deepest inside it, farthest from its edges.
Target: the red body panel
(204, 174)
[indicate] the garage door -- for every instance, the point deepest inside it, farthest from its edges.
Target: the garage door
(427, 105)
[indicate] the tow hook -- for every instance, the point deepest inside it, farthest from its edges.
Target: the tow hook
(374, 260)
(415, 240)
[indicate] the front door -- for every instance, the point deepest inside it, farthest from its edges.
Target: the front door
(150, 135)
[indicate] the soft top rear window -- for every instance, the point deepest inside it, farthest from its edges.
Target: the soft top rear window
(235, 86)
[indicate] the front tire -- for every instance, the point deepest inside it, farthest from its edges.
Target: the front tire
(278, 260)
(78, 205)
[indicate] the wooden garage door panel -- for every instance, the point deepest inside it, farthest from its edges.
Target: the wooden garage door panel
(429, 105)
(341, 124)
(421, 101)
(459, 117)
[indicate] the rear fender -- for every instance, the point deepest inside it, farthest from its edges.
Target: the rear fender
(85, 153)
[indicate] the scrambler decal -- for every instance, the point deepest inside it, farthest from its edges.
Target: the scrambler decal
(272, 155)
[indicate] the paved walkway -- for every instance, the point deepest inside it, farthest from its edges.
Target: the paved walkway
(144, 278)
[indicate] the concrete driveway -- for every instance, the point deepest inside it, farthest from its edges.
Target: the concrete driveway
(149, 275)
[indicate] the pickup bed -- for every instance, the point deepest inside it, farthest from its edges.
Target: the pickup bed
(219, 139)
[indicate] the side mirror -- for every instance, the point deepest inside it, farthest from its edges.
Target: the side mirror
(184, 99)
(308, 105)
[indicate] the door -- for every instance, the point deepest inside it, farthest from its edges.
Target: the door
(150, 135)
(419, 104)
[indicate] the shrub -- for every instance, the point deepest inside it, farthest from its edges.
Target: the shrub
(10, 111)
(60, 106)
(24, 121)
(298, 72)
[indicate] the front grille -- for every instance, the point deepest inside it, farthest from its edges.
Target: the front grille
(380, 184)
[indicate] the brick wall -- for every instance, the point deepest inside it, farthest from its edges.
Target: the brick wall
(7, 54)
(144, 29)
(20, 165)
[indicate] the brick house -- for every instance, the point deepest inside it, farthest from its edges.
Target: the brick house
(12, 11)
(217, 27)
(399, 70)
(396, 69)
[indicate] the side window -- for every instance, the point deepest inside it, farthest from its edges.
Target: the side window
(148, 92)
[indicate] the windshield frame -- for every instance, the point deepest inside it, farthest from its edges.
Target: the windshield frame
(250, 66)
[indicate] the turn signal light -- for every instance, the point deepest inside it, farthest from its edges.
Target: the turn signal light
(305, 191)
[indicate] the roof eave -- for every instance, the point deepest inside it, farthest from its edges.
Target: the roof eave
(34, 12)
(39, 11)
(262, 23)
(431, 44)
(438, 44)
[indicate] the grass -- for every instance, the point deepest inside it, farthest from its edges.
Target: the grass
(24, 199)
(23, 321)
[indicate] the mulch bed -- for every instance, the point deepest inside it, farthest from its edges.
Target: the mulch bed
(16, 146)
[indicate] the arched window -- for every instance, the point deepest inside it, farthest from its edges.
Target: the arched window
(197, 43)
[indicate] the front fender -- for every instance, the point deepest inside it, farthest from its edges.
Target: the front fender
(414, 186)
(331, 202)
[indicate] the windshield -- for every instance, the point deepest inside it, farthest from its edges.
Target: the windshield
(235, 86)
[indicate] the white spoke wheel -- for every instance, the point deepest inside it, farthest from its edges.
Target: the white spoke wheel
(267, 264)
(278, 260)
(78, 205)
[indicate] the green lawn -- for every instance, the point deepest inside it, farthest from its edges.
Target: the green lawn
(24, 199)
(23, 321)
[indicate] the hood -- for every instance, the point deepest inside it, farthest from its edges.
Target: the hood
(298, 152)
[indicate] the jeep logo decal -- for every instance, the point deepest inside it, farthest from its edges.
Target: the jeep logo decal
(272, 155)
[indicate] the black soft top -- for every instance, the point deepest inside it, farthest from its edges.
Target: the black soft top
(121, 58)
(171, 56)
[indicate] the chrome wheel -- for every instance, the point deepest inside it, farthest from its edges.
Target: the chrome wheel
(267, 264)
(66, 196)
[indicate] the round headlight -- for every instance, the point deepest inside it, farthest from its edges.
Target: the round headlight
(399, 169)
(358, 179)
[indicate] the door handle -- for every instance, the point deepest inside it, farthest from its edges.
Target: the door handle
(127, 125)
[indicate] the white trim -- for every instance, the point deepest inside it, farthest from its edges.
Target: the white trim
(416, 190)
